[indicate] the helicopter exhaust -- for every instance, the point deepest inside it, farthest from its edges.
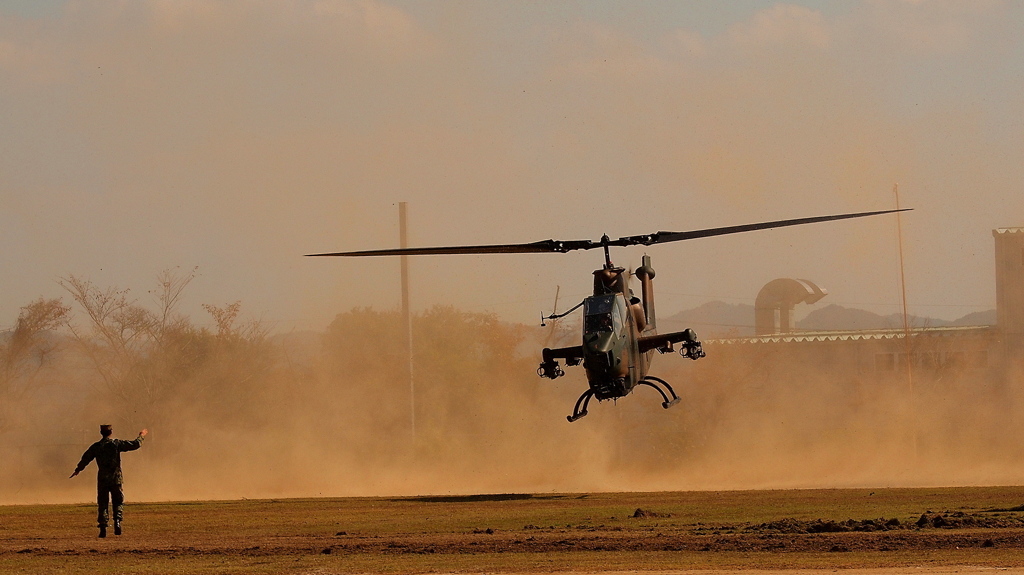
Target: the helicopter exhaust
(645, 273)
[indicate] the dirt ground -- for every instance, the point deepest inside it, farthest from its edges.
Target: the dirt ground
(933, 531)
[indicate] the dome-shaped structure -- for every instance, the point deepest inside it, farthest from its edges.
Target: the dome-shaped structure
(777, 298)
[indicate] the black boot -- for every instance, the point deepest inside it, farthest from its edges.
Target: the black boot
(117, 528)
(103, 530)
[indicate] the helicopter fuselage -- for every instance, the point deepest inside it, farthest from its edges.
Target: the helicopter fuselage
(619, 338)
(611, 355)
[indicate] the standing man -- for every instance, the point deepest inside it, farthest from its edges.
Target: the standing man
(107, 453)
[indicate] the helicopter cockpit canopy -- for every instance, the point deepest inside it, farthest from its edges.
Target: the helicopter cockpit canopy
(603, 313)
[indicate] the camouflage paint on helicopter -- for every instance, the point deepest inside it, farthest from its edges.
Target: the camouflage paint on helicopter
(619, 339)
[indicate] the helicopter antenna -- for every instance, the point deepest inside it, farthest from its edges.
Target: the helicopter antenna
(561, 315)
(554, 309)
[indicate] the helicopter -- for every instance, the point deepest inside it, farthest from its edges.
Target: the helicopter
(619, 329)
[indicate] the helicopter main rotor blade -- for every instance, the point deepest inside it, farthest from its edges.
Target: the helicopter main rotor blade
(663, 237)
(543, 246)
(558, 246)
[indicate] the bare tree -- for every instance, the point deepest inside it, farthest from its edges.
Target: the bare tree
(238, 362)
(168, 296)
(226, 319)
(130, 347)
(158, 366)
(26, 350)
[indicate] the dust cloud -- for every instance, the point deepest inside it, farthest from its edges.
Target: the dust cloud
(766, 416)
(237, 412)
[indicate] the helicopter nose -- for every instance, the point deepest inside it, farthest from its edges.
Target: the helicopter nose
(601, 353)
(600, 342)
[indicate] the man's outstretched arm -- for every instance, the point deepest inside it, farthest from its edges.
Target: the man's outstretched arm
(87, 458)
(134, 444)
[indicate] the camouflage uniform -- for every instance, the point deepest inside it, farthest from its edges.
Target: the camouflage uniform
(107, 453)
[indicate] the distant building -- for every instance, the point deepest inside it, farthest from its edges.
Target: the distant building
(1010, 284)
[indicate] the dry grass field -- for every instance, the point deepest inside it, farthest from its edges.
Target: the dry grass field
(936, 528)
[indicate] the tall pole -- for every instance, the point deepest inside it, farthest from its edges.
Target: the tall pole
(907, 348)
(403, 240)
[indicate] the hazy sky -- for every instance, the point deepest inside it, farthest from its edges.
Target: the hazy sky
(235, 136)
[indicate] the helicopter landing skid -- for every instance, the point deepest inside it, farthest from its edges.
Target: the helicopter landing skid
(584, 400)
(654, 382)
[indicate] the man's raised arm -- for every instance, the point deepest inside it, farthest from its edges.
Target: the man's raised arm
(134, 444)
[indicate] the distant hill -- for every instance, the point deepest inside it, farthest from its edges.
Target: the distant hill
(839, 317)
(719, 319)
(833, 317)
(987, 317)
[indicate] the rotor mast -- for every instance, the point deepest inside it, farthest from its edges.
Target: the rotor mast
(605, 243)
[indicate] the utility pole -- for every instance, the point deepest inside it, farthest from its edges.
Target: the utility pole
(403, 241)
(907, 347)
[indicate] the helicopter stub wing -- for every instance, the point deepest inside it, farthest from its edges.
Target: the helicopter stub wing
(663, 340)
